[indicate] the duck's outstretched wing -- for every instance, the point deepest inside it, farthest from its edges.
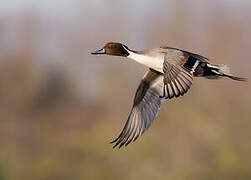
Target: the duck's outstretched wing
(178, 76)
(146, 105)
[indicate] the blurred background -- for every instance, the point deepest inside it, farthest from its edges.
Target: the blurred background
(60, 107)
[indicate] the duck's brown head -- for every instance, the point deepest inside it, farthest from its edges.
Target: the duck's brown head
(113, 48)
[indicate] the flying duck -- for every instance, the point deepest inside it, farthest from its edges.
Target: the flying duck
(171, 72)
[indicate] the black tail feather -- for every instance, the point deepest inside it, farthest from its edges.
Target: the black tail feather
(236, 78)
(211, 71)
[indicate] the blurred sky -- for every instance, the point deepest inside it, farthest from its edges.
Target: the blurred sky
(139, 24)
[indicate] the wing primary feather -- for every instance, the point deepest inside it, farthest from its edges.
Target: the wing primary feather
(123, 133)
(120, 133)
(130, 131)
(182, 89)
(146, 105)
(131, 137)
(174, 85)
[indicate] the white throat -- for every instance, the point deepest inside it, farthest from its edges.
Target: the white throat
(155, 63)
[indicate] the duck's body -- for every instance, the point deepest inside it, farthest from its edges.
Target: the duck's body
(170, 74)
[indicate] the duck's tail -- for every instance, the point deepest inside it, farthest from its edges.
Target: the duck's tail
(218, 71)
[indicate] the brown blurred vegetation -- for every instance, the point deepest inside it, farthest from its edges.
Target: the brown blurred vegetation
(60, 106)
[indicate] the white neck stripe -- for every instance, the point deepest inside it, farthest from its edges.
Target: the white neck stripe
(155, 63)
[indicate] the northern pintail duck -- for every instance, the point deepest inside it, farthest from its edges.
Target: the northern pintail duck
(171, 72)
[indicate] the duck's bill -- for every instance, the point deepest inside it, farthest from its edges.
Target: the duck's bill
(101, 51)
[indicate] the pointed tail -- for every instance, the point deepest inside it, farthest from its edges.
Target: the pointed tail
(236, 78)
(224, 71)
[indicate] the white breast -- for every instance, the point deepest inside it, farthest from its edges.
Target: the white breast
(155, 63)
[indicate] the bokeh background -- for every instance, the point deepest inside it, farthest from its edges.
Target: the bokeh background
(60, 107)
